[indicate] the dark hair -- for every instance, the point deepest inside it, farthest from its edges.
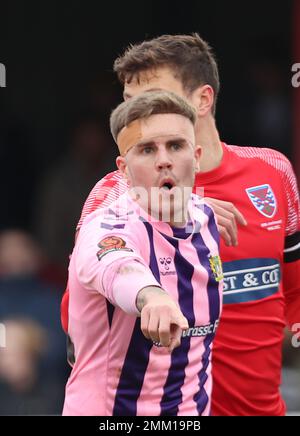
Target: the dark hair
(189, 55)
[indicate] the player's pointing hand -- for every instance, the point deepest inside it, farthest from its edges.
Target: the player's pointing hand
(161, 319)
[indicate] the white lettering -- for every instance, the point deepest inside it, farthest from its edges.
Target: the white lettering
(265, 277)
(296, 337)
(249, 280)
(2, 76)
(231, 284)
(2, 336)
(270, 277)
(296, 77)
(118, 426)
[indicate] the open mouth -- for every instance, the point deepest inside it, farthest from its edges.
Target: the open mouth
(168, 186)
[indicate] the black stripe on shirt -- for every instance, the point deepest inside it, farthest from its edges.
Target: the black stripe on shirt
(291, 251)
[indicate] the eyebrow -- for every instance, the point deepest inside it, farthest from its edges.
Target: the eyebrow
(150, 143)
(179, 140)
(145, 144)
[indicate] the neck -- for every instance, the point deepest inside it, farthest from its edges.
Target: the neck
(208, 137)
(180, 217)
(176, 219)
(167, 213)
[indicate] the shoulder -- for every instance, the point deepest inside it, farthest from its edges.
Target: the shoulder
(268, 156)
(113, 180)
(114, 175)
(116, 213)
(106, 190)
(119, 217)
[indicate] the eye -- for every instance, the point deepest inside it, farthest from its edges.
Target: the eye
(147, 150)
(176, 146)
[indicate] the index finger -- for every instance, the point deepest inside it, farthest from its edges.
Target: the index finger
(164, 330)
(175, 338)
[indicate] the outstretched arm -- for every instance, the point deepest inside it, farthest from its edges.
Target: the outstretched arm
(161, 318)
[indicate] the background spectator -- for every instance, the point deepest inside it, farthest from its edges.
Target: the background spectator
(32, 368)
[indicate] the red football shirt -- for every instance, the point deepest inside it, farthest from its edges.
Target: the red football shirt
(247, 347)
(262, 275)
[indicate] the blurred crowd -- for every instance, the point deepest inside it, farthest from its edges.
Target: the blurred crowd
(36, 238)
(33, 369)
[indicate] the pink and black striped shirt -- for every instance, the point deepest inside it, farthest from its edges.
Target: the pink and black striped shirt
(117, 371)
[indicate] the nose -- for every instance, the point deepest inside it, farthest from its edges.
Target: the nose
(163, 159)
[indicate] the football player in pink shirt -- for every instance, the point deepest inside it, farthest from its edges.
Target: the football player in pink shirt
(145, 291)
(261, 273)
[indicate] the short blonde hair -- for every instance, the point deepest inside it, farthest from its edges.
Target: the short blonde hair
(149, 103)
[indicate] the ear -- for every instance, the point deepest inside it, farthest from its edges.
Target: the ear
(122, 166)
(203, 99)
(197, 155)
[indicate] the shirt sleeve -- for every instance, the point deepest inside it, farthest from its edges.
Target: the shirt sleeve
(103, 193)
(291, 265)
(292, 196)
(64, 310)
(110, 262)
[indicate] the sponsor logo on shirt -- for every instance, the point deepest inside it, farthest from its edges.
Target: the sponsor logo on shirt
(111, 243)
(216, 267)
(197, 331)
(263, 199)
(250, 279)
(204, 330)
(166, 263)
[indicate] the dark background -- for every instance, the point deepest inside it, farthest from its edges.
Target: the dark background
(59, 56)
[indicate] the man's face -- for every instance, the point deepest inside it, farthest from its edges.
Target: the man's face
(163, 163)
(155, 80)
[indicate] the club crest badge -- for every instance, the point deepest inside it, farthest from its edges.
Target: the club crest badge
(109, 244)
(216, 267)
(263, 199)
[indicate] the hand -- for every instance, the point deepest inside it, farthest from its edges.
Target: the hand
(227, 218)
(161, 319)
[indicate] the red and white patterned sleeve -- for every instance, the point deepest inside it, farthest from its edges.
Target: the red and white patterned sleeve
(107, 190)
(291, 266)
(103, 194)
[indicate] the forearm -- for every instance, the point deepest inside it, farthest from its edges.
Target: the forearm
(135, 290)
(145, 294)
(123, 281)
